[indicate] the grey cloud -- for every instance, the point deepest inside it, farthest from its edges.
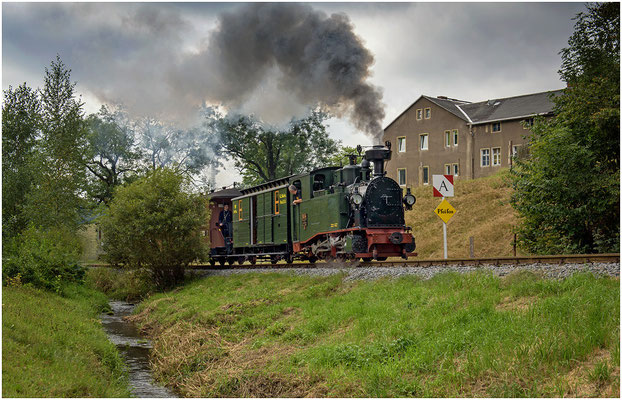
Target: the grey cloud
(141, 53)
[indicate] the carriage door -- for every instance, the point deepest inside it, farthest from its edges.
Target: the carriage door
(253, 207)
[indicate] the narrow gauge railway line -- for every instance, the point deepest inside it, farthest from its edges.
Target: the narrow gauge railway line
(550, 259)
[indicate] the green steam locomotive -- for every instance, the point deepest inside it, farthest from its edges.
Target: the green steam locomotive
(344, 213)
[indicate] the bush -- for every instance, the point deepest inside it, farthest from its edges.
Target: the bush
(154, 223)
(128, 285)
(44, 258)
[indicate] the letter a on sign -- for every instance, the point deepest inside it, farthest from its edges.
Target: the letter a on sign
(443, 185)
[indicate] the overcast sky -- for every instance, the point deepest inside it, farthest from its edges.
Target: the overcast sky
(469, 51)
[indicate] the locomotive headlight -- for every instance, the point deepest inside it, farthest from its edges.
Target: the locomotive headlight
(356, 199)
(409, 200)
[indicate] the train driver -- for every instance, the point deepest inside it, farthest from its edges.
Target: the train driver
(296, 194)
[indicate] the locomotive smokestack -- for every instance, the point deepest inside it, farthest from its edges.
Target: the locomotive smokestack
(378, 154)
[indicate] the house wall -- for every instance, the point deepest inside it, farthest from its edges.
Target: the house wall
(90, 239)
(467, 154)
(511, 134)
(437, 155)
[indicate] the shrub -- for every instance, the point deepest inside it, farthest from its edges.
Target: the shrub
(128, 285)
(154, 223)
(44, 258)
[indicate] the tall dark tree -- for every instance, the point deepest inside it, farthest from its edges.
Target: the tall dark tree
(58, 195)
(262, 154)
(20, 127)
(112, 153)
(567, 192)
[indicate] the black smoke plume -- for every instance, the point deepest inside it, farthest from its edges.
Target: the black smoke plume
(281, 58)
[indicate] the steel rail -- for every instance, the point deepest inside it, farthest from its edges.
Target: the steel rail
(540, 259)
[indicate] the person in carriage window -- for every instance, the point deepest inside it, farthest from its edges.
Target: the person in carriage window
(296, 194)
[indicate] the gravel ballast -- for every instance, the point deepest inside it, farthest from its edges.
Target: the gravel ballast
(551, 271)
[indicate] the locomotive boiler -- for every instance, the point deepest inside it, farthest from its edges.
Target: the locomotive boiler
(346, 213)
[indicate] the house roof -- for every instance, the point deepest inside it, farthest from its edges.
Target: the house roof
(443, 102)
(493, 110)
(224, 194)
(510, 107)
(448, 104)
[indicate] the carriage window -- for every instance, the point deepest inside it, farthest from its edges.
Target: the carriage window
(276, 202)
(318, 182)
(239, 210)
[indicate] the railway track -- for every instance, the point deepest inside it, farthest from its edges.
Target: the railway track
(550, 259)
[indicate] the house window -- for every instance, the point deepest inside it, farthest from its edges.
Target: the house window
(496, 126)
(447, 138)
(426, 175)
(485, 157)
(428, 113)
(528, 123)
(423, 140)
(239, 210)
(447, 169)
(454, 135)
(515, 150)
(401, 176)
(496, 156)
(277, 209)
(401, 144)
(456, 169)
(419, 114)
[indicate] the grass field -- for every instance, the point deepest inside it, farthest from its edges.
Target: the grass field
(455, 335)
(54, 346)
(483, 211)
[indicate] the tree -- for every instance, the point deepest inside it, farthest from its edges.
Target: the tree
(262, 154)
(58, 194)
(567, 191)
(20, 126)
(112, 153)
(188, 150)
(154, 223)
(342, 157)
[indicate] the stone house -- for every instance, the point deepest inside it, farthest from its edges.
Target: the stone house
(441, 135)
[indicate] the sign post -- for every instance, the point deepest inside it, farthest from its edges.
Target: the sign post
(444, 187)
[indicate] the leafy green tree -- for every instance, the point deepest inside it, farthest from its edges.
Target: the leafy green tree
(58, 193)
(262, 154)
(154, 223)
(112, 153)
(342, 157)
(20, 127)
(567, 191)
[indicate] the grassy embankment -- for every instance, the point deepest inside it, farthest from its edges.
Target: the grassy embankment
(455, 335)
(483, 211)
(54, 346)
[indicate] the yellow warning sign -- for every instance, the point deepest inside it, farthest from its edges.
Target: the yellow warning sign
(445, 211)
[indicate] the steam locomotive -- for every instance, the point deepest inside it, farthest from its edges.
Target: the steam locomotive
(346, 213)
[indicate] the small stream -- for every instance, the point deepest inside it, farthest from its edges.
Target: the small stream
(135, 351)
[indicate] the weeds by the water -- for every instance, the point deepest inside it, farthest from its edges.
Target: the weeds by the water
(53, 346)
(455, 335)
